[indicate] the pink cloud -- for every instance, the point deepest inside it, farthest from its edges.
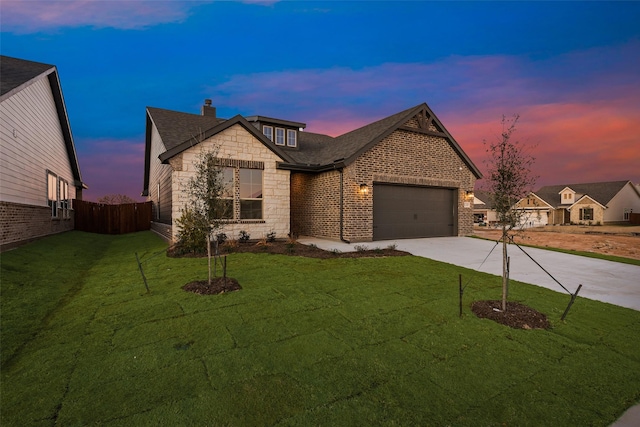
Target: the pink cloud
(32, 16)
(580, 109)
(572, 142)
(112, 167)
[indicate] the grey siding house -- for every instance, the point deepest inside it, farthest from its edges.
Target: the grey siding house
(39, 171)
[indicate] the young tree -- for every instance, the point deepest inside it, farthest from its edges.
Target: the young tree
(510, 178)
(206, 209)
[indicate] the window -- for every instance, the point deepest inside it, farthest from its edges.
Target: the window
(291, 138)
(228, 195)
(268, 132)
(586, 214)
(251, 193)
(63, 194)
(279, 136)
(626, 214)
(52, 193)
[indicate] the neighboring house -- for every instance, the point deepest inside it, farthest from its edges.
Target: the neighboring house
(400, 177)
(483, 211)
(592, 203)
(39, 172)
(535, 211)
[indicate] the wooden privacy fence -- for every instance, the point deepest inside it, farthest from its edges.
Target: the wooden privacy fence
(634, 218)
(112, 219)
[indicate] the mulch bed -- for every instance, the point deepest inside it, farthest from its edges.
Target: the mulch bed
(517, 316)
(219, 285)
(292, 248)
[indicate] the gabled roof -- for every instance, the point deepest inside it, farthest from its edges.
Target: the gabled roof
(534, 195)
(586, 196)
(485, 197)
(318, 150)
(17, 74)
(601, 192)
(180, 131)
(175, 127)
(315, 152)
(225, 124)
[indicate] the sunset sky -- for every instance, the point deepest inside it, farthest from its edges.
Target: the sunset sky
(571, 70)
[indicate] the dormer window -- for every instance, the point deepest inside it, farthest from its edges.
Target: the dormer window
(268, 132)
(279, 136)
(567, 196)
(292, 138)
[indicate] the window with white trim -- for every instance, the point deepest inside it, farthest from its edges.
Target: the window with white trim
(268, 132)
(292, 138)
(279, 136)
(63, 194)
(251, 193)
(52, 193)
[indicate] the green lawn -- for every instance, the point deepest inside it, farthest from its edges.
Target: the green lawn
(305, 342)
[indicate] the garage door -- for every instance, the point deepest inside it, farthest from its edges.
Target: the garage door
(401, 212)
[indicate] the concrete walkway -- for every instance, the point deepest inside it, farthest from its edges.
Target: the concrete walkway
(601, 280)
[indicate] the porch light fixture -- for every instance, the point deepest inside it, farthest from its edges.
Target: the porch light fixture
(469, 194)
(364, 189)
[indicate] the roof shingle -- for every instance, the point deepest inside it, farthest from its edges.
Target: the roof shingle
(15, 72)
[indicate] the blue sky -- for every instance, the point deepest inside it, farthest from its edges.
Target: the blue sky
(570, 69)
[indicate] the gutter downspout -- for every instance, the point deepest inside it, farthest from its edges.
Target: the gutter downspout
(341, 170)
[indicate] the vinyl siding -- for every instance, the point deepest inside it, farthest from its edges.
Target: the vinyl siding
(159, 175)
(37, 147)
(627, 198)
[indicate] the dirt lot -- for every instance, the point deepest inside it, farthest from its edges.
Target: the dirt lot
(621, 241)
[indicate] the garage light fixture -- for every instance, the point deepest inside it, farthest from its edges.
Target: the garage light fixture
(469, 194)
(364, 189)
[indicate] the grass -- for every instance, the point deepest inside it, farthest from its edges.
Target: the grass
(305, 342)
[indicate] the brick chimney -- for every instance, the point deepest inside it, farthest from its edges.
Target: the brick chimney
(207, 109)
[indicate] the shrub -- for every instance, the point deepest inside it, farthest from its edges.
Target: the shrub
(221, 238)
(392, 247)
(271, 236)
(291, 246)
(192, 234)
(361, 248)
(243, 236)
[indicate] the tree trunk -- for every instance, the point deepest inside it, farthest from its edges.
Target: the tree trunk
(504, 268)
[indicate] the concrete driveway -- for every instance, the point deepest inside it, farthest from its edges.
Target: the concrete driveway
(601, 280)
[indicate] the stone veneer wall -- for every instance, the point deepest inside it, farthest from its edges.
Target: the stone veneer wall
(315, 204)
(409, 158)
(598, 212)
(22, 223)
(237, 144)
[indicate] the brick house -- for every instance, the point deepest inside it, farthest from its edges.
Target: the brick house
(400, 177)
(590, 203)
(39, 171)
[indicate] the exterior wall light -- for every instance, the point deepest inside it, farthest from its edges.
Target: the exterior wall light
(364, 189)
(469, 194)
